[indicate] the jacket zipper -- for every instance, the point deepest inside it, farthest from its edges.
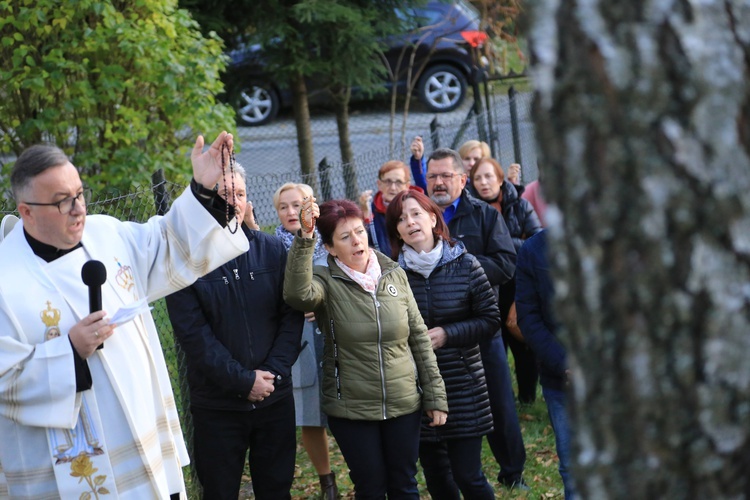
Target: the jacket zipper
(336, 363)
(380, 352)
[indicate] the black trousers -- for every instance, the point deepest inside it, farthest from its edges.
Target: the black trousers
(465, 471)
(527, 374)
(381, 455)
(267, 436)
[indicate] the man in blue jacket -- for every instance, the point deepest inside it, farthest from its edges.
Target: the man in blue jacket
(534, 294)
(241, 339)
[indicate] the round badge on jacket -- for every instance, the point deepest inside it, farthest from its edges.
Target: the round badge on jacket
(391, 288)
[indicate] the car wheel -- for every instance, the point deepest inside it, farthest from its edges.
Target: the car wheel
(256, 105)
(442, 88)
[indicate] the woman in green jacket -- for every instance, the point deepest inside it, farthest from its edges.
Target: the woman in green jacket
(379, 370)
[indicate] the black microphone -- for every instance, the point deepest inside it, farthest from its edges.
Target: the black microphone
(94, 274)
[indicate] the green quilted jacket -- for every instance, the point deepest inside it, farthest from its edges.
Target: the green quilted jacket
(378, 361)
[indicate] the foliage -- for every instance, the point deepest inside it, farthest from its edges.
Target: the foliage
(122, 86)
(505, 50)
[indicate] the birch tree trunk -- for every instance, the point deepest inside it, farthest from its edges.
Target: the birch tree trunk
(643, 120)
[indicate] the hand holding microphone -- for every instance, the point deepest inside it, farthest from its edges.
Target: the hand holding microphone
(94, 275)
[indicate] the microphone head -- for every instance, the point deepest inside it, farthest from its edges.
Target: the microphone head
(93, 273)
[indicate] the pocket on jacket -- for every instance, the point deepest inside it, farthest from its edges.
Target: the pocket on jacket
(305, 369)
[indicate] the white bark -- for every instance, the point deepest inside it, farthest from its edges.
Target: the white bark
(643, 120)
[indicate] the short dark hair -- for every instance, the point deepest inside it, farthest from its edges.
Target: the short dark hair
(396, 208)
(441, 153)
(331, 213)
(32, 162)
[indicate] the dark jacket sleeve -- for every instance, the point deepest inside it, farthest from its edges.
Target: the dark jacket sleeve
(533, 303)
(499, 256)
(201, 346)
(286, 344)
(484, 320)
(531, 223)
(418, 170)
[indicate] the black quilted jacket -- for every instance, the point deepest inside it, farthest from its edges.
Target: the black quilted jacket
(457, 296)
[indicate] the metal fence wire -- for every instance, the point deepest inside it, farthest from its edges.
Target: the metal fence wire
(512, 139)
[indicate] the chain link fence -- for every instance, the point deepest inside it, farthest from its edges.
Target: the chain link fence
(508, 131)
(503, 121)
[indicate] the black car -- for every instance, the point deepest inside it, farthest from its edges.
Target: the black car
(443, 33)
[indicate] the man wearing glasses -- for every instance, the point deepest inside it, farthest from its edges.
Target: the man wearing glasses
(483, 231)
(77, 421)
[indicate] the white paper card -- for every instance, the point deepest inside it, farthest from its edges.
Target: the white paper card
(130, 311)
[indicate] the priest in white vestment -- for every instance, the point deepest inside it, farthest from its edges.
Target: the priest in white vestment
(77, 421)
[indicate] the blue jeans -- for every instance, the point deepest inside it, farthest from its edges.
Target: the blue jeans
(558, 417)
(505, 441)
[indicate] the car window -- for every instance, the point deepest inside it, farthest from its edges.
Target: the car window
(427, 17)
(468, 10)
(413, 19)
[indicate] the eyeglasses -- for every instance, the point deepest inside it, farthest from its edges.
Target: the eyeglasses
(389, 183)
(446, 176)
(66, 205)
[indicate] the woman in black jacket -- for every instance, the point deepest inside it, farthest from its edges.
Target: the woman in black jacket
(459, 308)
(489, 184)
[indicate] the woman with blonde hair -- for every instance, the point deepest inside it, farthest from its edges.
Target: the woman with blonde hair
(307, 371)
(472, 151)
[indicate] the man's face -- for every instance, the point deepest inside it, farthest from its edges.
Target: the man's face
(392, 183)
(46, 223)
(236, 195)
(444, 184)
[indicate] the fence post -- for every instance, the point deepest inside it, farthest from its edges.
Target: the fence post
(514, 125)
(325, 179)
(458, 138)
(488, 106)
(434, 134)
(478, 115)
(161, 196)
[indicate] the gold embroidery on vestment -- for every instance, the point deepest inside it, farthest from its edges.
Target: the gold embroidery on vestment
(51, 318)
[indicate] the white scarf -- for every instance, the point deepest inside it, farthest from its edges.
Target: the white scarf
(423, 262)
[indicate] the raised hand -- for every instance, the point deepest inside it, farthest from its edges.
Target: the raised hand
(250, 221)
(365, 198)
(207, 169)
(514, 173)
(417, 148)
(308, 212)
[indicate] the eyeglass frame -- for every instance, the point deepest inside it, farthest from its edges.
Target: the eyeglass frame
(445, 176)
(389, 182)
(84, 197)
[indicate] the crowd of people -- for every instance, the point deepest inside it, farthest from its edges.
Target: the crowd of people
(384, 320)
